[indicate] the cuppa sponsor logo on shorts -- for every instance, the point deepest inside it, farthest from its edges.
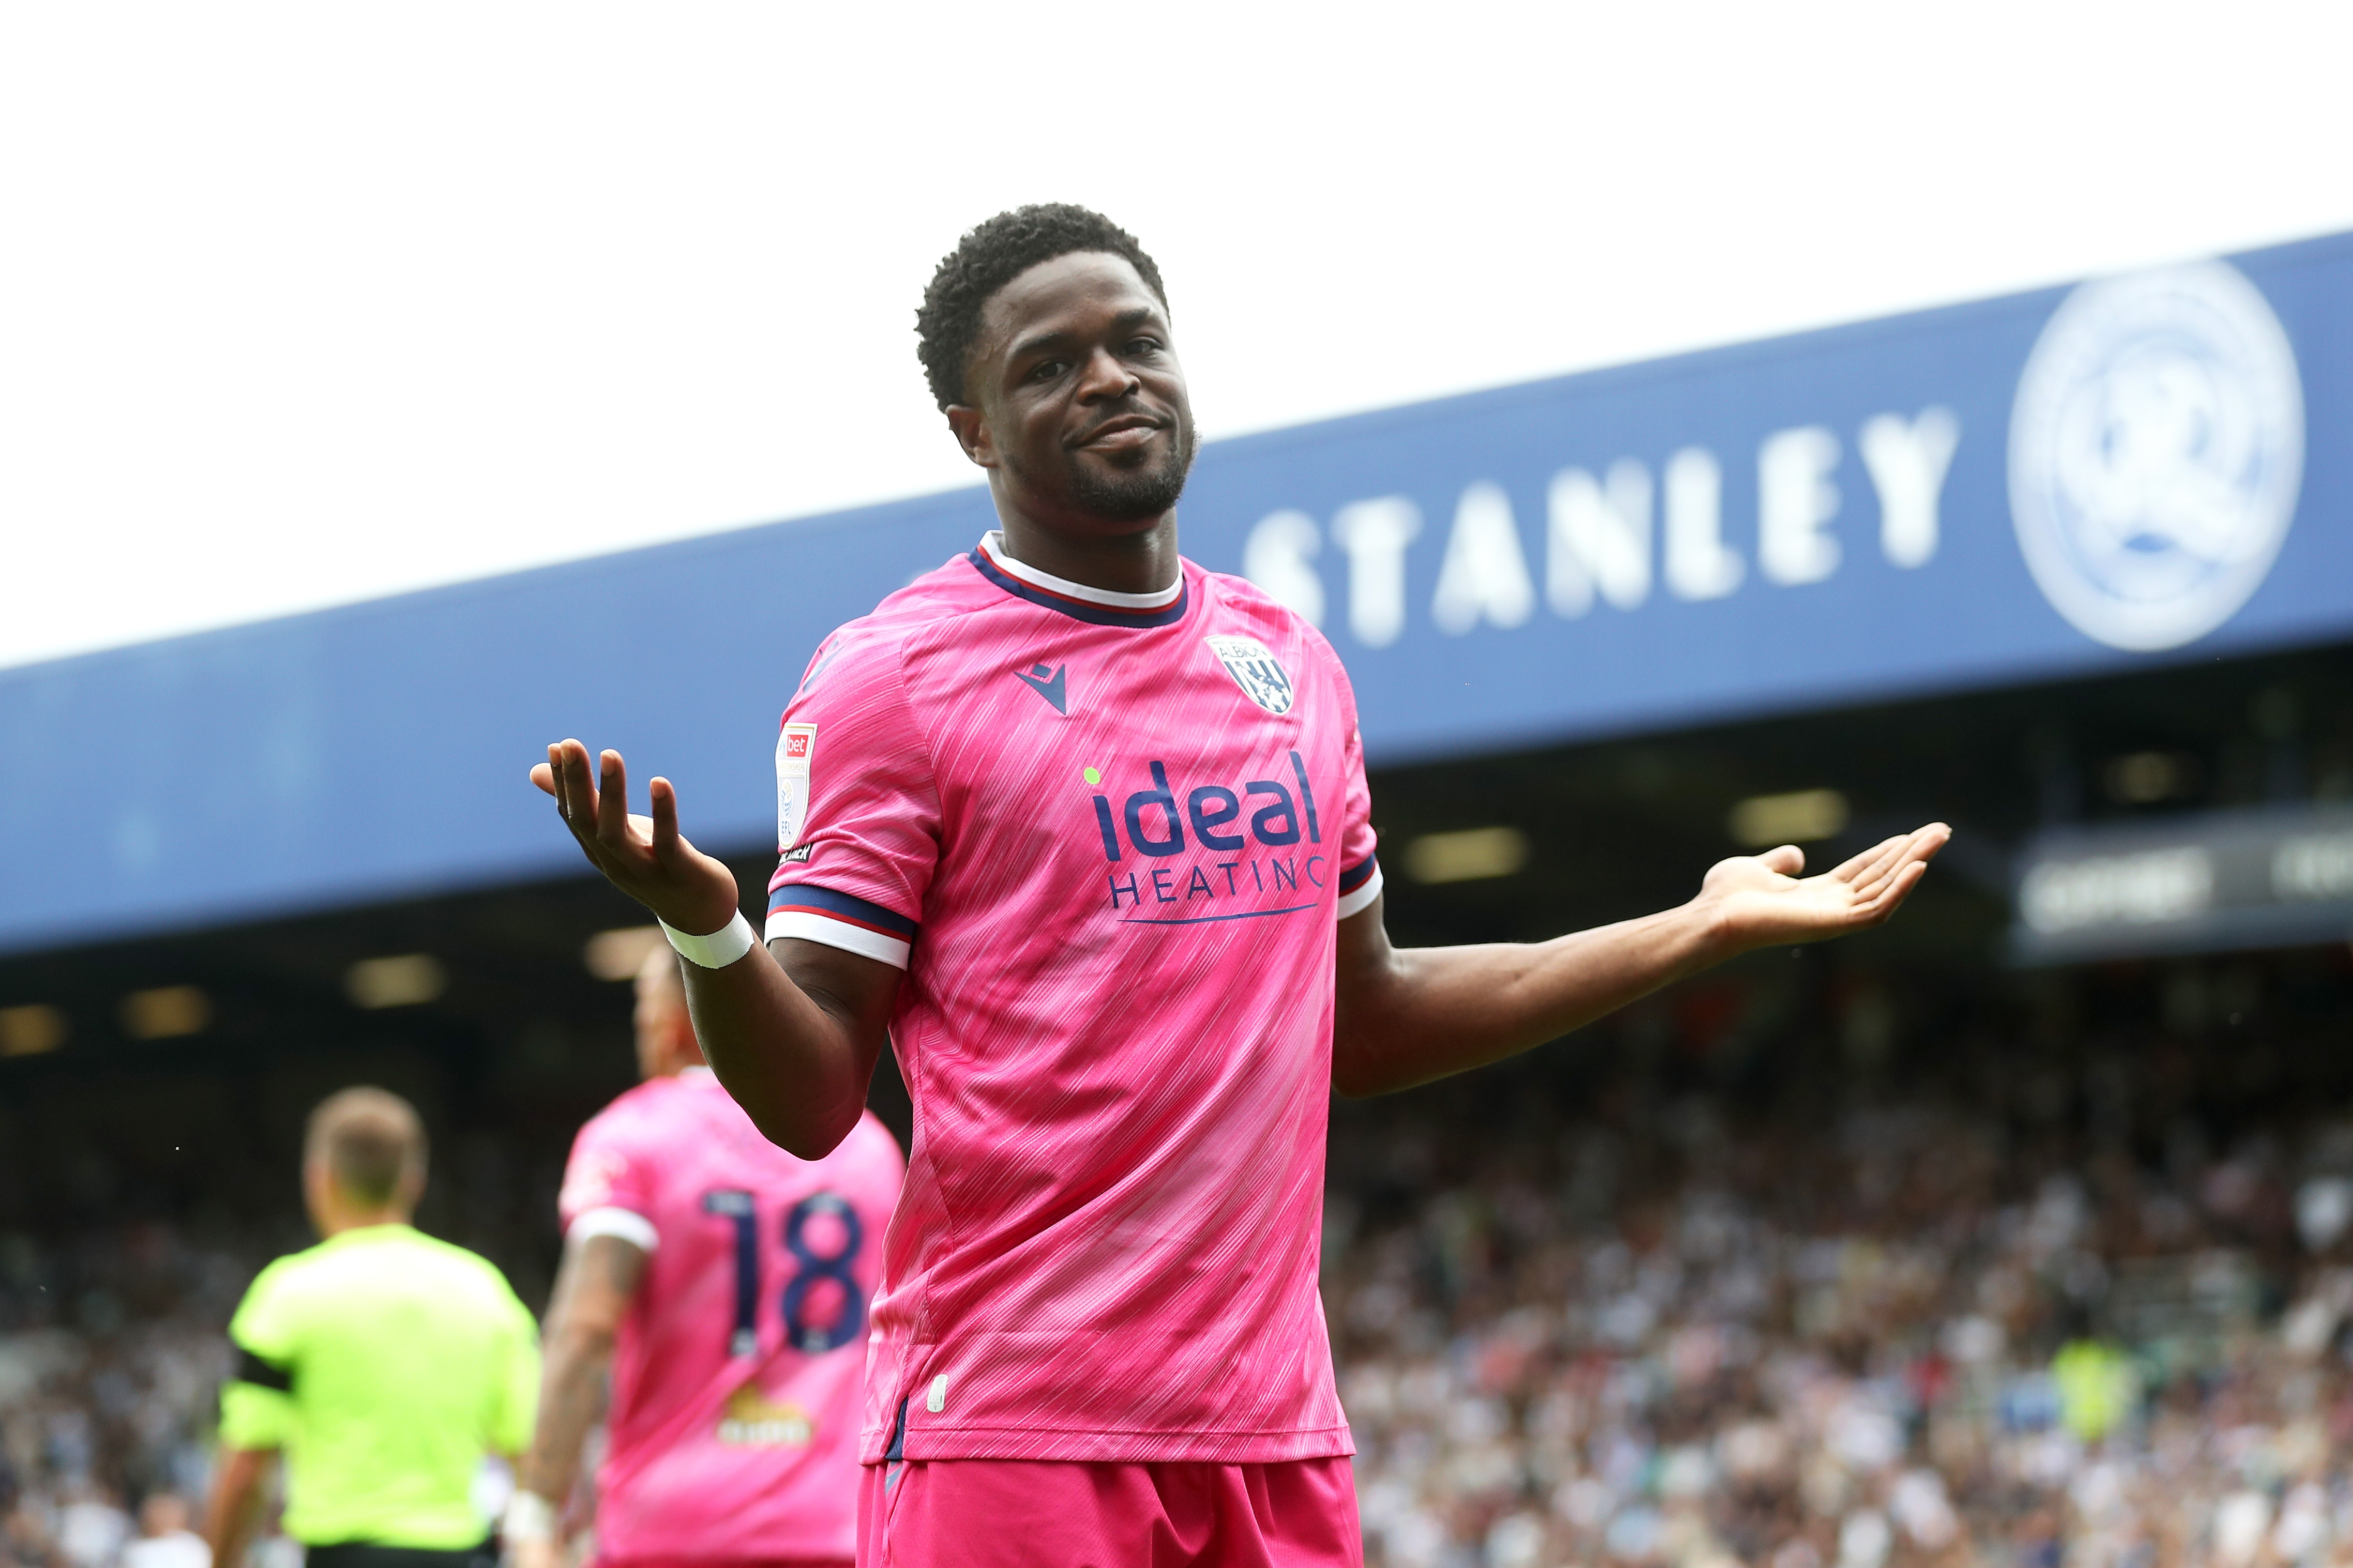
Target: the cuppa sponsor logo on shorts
(1184, 851)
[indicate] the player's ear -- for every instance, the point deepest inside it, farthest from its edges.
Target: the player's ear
(972, 433)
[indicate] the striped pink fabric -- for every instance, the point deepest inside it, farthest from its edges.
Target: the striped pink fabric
(736, 1374)
(1108, 837)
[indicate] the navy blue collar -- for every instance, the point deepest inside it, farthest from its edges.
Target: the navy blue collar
(1082, 609)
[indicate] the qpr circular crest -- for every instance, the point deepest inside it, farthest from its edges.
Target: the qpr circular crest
(1256, 670)
(2156, 448)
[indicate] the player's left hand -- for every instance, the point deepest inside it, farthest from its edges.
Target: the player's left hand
(546, 1553)
(1759, 900)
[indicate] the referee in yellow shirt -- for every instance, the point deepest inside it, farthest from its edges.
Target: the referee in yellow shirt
(383, 1363)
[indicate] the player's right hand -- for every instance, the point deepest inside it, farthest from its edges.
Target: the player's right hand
(546, 1553)
(645, 857)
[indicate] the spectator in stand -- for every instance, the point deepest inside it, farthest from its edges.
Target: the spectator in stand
(91, 1528)
(164, 1539)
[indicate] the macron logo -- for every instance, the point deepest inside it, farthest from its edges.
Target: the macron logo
(1047, 684)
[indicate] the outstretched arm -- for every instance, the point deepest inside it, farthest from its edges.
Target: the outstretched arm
(1406, 1016)
(793, 1029)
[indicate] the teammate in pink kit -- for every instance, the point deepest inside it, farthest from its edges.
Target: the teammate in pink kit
(725, 1284)
(1081, 831)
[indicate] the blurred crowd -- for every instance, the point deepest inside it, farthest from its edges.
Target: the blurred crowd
(1794, 1268)
(2036, 1286)
(111, 1356)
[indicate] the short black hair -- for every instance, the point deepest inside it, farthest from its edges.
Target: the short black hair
(993, 254)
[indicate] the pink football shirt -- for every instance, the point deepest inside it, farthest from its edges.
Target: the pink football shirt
(732, 1430)
(1108, 838)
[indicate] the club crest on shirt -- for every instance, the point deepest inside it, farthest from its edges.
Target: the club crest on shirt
(795, 751)
(1255, 669)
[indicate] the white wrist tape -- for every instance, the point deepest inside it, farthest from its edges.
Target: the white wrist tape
(530, 1517)
(720, 949)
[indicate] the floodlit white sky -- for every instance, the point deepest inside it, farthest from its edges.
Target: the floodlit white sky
(302, 304)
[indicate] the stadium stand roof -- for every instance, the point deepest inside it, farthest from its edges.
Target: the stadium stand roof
(2055, 484)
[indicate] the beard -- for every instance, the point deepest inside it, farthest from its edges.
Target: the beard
(1139, 496)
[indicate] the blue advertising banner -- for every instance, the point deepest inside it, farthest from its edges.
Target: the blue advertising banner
(2137, 469)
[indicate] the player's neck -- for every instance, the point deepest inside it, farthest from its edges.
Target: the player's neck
(1140, 563)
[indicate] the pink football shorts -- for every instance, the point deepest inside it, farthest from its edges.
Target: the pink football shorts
(1060, 1513)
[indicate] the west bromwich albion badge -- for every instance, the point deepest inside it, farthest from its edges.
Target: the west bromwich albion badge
(796, 749)
(1255, 671)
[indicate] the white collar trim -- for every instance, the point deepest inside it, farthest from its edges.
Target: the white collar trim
(698, 1073)
(993, 542)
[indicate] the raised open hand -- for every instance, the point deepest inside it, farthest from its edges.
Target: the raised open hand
(1760, 899)
(645, 857)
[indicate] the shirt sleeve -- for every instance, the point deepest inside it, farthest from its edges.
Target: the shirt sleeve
(608, 1187)
(858, 811)
(258, 1400)
(1360, 869)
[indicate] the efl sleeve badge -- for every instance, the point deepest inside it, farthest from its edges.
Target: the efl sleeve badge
(795, 750)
